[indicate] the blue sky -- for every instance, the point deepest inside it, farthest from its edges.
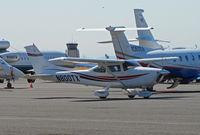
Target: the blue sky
(50, 24)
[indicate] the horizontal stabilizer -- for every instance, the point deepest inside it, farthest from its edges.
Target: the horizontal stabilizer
(134, 40)
(114, 29)
(110, 41)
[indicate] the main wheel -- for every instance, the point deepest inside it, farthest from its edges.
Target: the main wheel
(131, 96)
(30, 80)
(1, 80)
(150, 88)
(146, 97)
(102, 97)
(9, 85)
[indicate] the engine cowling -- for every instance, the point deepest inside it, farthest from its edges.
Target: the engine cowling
(11, 58)
(4, 44)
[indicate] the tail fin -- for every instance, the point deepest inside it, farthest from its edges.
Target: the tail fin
(39, 63)
(145, 37)
(123, 49)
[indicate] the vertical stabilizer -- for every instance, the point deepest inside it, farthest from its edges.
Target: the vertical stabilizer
(145, 37)
(121, 45)
(39, 63)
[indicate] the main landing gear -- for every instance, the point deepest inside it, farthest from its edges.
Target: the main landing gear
(30, 80)
(102, 94)
(132, 93)
(9, 85)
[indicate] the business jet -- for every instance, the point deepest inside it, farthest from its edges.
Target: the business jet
(184, 70)
(109, 73)
(9, 72)
(20, 60)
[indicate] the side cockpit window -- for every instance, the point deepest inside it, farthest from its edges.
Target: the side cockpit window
(100, 69)
(114, 68)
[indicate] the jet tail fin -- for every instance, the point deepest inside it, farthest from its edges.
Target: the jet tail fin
(145, 37)
(39, 63)
(123, 49)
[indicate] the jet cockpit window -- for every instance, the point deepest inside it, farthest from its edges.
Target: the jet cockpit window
(11, 57)
(193, 58)
(114, 68)
(127, 66)
(100, 69)
(186, 57)
(180, 58)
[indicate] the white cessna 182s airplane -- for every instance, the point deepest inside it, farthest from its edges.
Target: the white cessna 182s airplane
(9, 72)
(109, 73)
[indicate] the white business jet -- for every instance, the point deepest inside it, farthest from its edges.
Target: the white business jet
(109, 73)
(183, 70)
(9, 72)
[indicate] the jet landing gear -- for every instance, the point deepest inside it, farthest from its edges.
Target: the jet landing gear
(9, 85)
(30, 80)
(102, 94)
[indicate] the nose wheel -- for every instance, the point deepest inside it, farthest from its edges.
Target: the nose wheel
(9, 85)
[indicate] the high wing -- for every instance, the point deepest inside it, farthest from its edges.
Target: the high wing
(111, 61)
(86, 60)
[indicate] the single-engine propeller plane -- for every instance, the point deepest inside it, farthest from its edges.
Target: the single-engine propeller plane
(109, 73)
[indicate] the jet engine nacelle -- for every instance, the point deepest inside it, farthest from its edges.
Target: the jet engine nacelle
(4, 44)
(11, 58)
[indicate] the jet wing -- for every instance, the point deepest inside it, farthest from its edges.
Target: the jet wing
(41, 76)
(151, 60)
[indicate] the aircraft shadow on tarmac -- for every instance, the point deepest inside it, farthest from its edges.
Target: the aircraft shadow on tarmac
(11, 89)
(95, 99)
(89, 99)
(178, 91)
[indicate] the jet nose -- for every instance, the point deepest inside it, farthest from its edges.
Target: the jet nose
(18, 73)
